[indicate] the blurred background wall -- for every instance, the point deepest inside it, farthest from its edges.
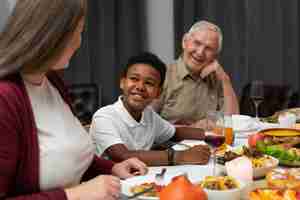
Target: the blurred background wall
(261, 38)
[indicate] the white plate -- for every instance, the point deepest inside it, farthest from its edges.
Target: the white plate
(195, 174)
(137, 180)
(184, 144)
(243, 123)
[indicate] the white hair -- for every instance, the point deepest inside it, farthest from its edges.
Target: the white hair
(204, 25)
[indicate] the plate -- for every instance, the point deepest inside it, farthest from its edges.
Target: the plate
(281, 132)
(289, 163)
(243, 123)
(137, 180)
(193, 175)
(274, 117)
(186, 144)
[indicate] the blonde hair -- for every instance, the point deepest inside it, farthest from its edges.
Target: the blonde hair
(204, 25)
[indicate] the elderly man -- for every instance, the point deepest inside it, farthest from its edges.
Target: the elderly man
(197, 83)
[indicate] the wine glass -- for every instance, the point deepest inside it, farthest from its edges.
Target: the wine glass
(214, 135)
(257, 95)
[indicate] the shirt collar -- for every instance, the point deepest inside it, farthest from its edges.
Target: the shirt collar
(183, 71)
(126, 116)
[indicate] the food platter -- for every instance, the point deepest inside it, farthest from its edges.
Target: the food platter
(279, 143)
(281, 132)
(274, 118)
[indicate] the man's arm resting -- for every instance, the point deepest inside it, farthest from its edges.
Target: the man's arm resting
(231, 105)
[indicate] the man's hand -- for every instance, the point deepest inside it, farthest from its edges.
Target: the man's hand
(217, 68)
(198, 154)
(129, 168)
(202, 123)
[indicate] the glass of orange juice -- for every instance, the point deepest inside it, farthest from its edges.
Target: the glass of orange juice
(228, 130)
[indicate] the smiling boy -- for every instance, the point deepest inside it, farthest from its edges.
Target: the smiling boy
(129, 127)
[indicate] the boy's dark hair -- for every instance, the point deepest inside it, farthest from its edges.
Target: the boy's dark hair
(149, 59)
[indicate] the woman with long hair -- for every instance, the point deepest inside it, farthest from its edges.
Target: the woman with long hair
(45, 152)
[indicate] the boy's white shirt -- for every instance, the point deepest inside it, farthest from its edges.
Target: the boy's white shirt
(113, 124)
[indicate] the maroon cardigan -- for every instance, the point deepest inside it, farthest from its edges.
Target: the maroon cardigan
(19, 148)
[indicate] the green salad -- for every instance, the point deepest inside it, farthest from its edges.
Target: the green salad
(286, 156)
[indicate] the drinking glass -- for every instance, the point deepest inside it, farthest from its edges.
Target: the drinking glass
(257, 94)
(228, 129)
(214, 135)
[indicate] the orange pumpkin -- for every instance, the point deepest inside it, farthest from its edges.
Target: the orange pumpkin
(181, 188)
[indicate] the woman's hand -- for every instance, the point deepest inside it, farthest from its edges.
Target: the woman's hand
(103, 187)
(129, 168)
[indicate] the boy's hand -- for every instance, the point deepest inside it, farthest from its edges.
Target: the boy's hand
(198, 154)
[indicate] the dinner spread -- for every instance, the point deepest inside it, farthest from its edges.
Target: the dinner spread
(274, 194)
(284, 178)
(257, 158)
(282, 184)
(279, 143)
(182, 183)
(179, 185)
(264, 150)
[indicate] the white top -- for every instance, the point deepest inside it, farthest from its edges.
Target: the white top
(113, 124)
(66, 149)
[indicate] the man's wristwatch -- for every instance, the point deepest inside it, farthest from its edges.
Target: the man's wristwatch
(171, 156)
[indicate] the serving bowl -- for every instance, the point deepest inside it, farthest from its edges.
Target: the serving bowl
(229, 194)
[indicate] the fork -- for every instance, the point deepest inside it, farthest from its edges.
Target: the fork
(159, 177)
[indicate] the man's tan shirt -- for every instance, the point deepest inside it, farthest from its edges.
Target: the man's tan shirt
(186, 99)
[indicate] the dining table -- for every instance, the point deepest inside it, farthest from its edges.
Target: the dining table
(200, 171)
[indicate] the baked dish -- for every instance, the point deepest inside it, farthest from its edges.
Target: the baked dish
(219, 183)
(284, 178)
(274, 194)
